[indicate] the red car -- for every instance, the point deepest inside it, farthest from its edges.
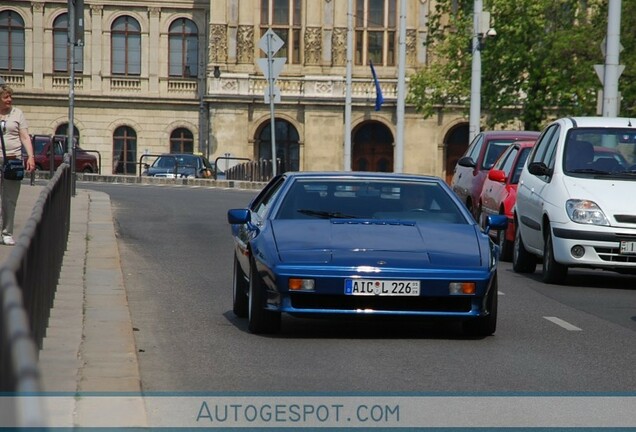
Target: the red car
(499, 194)
(84, 162)
(472, 169)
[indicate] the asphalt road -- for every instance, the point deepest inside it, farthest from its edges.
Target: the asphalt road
(176, 254)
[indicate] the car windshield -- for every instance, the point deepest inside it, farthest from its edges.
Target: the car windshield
(369, 199)
(168, 162)
(600, 152)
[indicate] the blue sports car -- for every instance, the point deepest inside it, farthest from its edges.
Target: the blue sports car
(334, 243)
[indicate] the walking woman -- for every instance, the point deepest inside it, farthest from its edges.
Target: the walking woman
(16, 134)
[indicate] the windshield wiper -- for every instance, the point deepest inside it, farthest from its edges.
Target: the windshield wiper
(326, 215)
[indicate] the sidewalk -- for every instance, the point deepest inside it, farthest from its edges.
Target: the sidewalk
(89, 344)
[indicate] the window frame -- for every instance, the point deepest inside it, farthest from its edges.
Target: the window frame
(384, 34)
(289, 31)
(15, 58)
(131, 54)
(188, 34)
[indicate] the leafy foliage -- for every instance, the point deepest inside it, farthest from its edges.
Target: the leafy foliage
(540, 64)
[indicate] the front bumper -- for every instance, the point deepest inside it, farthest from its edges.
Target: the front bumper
(601, 244)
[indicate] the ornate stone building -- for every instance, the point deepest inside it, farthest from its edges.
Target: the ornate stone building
(182, 75)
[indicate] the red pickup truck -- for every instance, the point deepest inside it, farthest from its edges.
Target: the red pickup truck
(42, 144)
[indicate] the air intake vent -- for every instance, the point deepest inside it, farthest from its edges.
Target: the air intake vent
(625, 218)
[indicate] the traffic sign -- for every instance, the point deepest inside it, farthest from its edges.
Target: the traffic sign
(277, 64)
(275, 42)
(275, 92)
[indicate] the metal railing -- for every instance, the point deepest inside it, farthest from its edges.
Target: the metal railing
(226, 158)
(254, 171)
(28, 280)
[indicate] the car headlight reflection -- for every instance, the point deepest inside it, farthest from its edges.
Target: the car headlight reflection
(585, 212)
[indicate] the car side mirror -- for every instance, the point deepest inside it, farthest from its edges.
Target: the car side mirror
(497, 175)
(467, 161)
(238, 216)
(146, 166)
(539, 169)
(496, 222)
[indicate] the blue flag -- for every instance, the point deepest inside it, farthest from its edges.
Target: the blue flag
(379, 99)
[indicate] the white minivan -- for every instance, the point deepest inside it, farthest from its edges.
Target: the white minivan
(576, 199)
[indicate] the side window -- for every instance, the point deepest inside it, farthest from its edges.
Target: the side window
(262, 204)
(509, 160)
(542, 143)
(475, 149)
(550, 151)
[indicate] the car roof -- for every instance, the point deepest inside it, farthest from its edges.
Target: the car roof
(361, 175)
(617, 122)
(510, 134)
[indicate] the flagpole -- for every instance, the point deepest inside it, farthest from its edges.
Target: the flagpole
(399, 138)
(347, 125)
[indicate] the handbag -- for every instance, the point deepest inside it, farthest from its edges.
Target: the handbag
(12, 169)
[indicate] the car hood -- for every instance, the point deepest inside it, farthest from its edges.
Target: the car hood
(608, 194)
(367, 242)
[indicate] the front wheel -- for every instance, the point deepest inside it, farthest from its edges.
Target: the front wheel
(522, 260)
(239, 291)
(260, 320)
(553, 272)
(505, 246)
(485, 325)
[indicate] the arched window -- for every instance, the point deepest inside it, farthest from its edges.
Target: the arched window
(124, 151)
(181, 141)
(183, 48)
(375, 32)
(12, 52)
(284, 18)
(287, 147)
(126, 46)
(63, 130)
(61, 48)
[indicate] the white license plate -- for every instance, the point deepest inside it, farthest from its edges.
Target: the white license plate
(628, 247)
(371, 287)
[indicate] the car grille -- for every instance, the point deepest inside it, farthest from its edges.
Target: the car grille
(613, 255)
(625, 218)
(386, 303)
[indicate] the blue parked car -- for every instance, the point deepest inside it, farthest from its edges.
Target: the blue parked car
(334, 243)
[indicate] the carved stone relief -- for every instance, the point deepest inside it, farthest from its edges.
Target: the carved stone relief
(313, 45)
(411, 47)
(245, 44)
(339, 46)
(218, 43)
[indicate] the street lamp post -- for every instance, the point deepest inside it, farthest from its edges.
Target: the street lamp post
(481, 30)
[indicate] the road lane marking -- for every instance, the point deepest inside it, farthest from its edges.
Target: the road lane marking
(566, 325)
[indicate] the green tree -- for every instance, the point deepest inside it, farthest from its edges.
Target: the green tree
(540, 64)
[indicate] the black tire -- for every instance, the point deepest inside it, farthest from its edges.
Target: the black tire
(239, 291)
(522, 260)
(260, 320)
(505, 246)
(485, 325)
(553, 272)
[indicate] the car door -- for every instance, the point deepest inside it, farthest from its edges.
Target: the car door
(531, 189)
(493, 191)
(466, 169)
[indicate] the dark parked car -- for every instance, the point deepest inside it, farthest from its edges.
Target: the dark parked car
(472, 169)
(42, 144)
(362, 244)
(180, 165)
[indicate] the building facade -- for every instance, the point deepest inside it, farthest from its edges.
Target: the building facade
(183, 76)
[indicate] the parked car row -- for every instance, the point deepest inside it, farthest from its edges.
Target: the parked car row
(565, 197)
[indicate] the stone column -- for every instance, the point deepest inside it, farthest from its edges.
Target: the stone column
(154, 50)
(38, 45)
(94, 51)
